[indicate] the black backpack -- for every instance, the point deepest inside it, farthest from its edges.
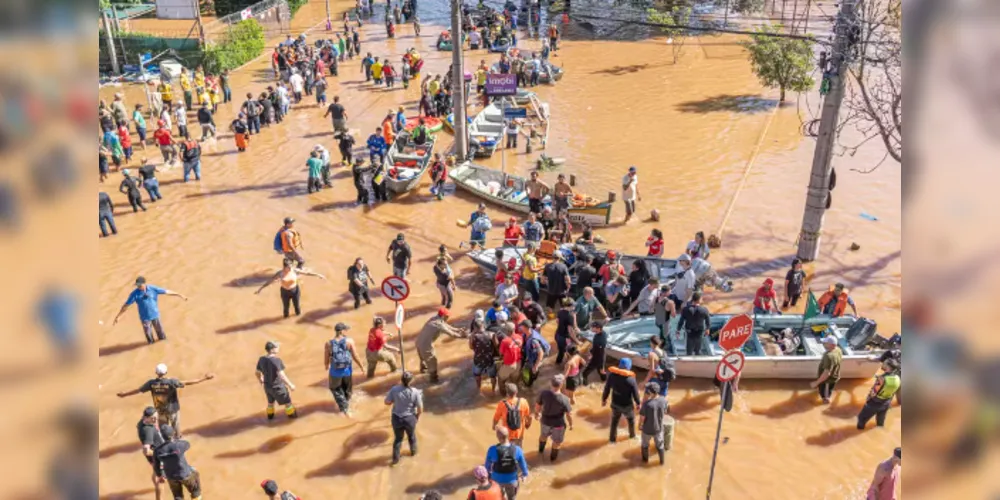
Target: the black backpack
(668, 371)
(513, 415)
(506, 461)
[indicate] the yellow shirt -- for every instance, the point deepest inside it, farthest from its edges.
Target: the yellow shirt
(214, 93)
(377, 70)
(481, 77)
(205, 97)
(199, 79)
(185, 82)
(434, 86)
(166, 92)
(529, 262)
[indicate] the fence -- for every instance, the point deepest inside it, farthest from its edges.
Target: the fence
(273, 15)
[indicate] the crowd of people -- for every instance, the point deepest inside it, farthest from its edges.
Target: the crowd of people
(505, 342)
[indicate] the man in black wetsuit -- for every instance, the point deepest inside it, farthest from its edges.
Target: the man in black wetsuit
(130, 187)
(150, 439)
(105, 210)
(696, 318)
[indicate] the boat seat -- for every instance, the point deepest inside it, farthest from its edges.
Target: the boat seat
(811, 343)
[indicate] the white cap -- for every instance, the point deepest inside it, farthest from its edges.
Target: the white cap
(161, 369)
(829, 339)
(502, 316)
(684, 258)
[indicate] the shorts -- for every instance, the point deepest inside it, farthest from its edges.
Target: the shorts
(191, 483)
(574, 381)
(509, 373)
(558, 434)
(142, 134)
(489, 370)
(278, 395)
(340, 125)
(562, 204)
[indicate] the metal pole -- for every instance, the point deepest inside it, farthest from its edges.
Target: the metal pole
(718, 433)
(819, 178)
(805, 30)
(458, 83)
(111, 43)
(201, 27)
(402, 357)
(795, 15)
(725, 19)
(783, 11)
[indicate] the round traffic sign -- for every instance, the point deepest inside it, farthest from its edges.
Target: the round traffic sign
(400, 315)
(395, 288)
(735, 332)
(730, 366)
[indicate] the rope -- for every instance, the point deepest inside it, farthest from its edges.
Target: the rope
(746, 172)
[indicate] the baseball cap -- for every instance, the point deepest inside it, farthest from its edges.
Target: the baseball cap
(684, 258)
(289, 220)
(340, 327)
(481, 473)
(125, 172)
(898, 453)
(270, 345)
(400, 237)
(269, 486)
(502, 316)
(140, 281)
(444, 312)
(631, 169)
(161, 369)
(829, 339)
(148, 412)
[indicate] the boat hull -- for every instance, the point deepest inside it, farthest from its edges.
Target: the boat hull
(399, 186)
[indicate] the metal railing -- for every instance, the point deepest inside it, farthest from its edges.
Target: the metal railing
(273, 15)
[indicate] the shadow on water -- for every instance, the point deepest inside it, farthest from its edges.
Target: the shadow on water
(747, 103)
(447, 485)
(337, 205)
(834, 436)
(250, 325)
(692, 405)
(847, 411)
(118, 449)
(601, 417)
(270, 446)
(251, 280)
(797, 403)
(341, 468)
(568, 451)
(242, 189)
(363, 440)
(128, 495)
(111, 350)
(598, 473)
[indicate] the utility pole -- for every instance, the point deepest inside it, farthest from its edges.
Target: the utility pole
(458, 83)
(329, 24)
(111, 42)
(819, 179)
(201, 27)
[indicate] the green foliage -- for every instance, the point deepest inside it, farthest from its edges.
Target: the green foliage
(783, 63)
(104, 4)
(672, 21)
(747, 6)
(244, 42)
(295, 5)
(226, 7)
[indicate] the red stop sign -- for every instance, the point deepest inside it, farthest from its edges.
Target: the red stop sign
(735, 332)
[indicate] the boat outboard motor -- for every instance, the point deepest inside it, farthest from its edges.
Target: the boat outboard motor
(860, 333)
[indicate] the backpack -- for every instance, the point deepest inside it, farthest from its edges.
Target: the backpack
(339, 355)
(665, 367)
(513, 415)
(239, 127)
(278, 247)
(191, 151)
(529, 352)
(482, 224)
(288, 495)
(506, 461)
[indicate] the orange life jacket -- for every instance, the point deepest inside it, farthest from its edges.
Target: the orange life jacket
(839, 307)
(494, 493)
(289, 240)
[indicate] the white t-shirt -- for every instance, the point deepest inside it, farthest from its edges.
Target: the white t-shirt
(506, 294)
(702, 250)
(630, 182)
(297, 83)
(165, 116)
(282, 94)
(684, 286)
(181, 114)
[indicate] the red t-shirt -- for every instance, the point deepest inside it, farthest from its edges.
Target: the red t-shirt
(763, 295)
(376, 339)
(655, 247)
(163, 137)
(510, 349)
(512, 234)
(124, 137)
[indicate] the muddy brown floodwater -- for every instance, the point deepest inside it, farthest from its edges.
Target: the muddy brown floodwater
(690, 127)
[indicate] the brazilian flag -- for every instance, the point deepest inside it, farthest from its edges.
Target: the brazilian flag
(812, 307)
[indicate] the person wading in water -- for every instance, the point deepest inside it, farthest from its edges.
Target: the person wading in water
(290, 290)
(337, 360)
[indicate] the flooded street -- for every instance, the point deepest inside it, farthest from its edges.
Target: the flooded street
(690, 127)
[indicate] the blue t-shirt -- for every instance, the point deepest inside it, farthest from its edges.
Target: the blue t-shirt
(506, 478)
(491, 314)
(476, 235)
(146, 301)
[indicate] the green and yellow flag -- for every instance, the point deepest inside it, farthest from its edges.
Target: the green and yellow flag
(812, 307)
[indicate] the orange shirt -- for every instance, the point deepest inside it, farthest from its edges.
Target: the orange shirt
(500, 416)
(387, 132)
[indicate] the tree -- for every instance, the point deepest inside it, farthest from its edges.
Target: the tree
(874, 104)
(746, 6)
(780, 62)
(672, 23)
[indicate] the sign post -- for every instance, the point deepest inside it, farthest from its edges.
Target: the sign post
(732, 336)
(397, 290)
